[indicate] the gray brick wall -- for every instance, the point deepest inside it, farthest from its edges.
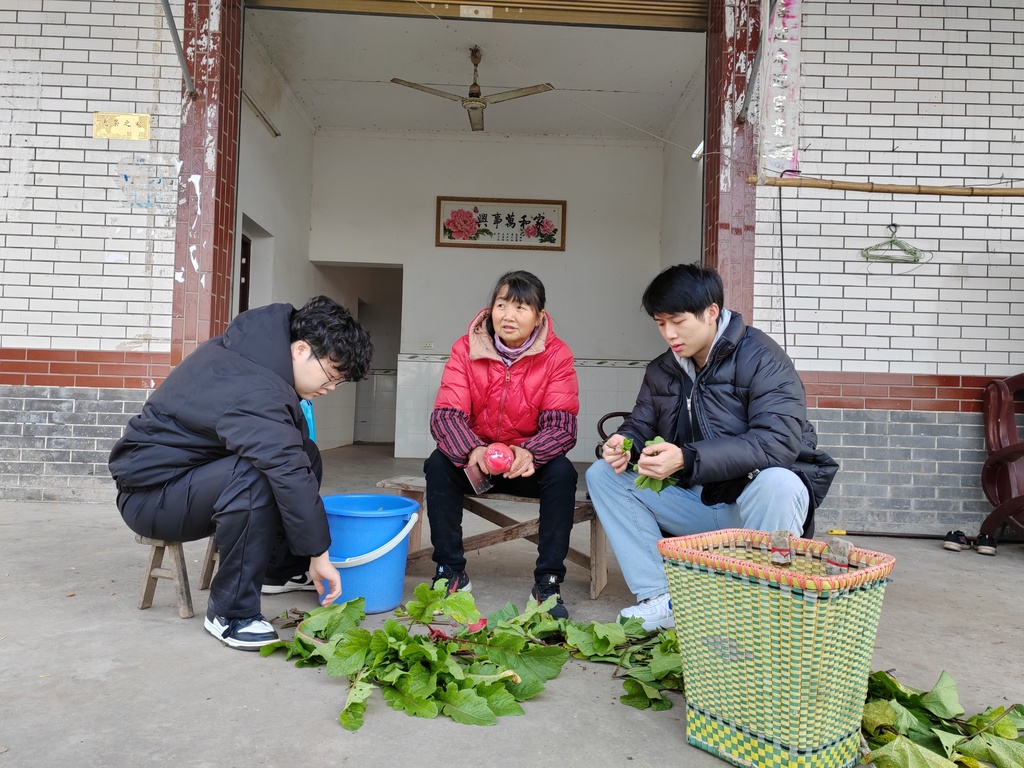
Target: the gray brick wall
(900, 471)
(903, 471)
(54, 441)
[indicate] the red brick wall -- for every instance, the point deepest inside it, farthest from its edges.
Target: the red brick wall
(83, 368)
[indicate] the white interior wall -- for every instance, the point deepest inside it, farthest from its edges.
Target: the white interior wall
(374, 202)
(274, 210)
(273, 205)
(683, 187)
(378, 305)
(632, 208)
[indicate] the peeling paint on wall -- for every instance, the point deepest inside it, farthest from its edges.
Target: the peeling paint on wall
(779, 86)
(147, 182)
(738, 52)
(20, 89)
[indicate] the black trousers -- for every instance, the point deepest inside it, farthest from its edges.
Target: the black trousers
(554, 484)
(232, 500)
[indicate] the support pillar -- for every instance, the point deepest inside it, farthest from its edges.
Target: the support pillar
(204, 240)
(734, 28)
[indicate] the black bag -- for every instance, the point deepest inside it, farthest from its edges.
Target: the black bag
(726, 491)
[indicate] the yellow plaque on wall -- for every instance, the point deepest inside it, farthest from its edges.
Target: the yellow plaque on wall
(118, 125)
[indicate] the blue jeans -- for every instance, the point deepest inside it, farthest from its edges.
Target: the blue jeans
(776, 499)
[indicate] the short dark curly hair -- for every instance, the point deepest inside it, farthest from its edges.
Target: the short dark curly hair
(332, 333)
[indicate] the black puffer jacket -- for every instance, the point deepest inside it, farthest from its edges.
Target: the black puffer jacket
(234, 395)
(747, 410)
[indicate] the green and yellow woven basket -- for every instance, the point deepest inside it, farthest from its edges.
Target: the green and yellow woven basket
(776, 659)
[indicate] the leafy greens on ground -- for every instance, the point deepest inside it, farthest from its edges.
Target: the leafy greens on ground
(437, 656)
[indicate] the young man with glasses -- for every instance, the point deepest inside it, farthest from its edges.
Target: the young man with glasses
(222, 447)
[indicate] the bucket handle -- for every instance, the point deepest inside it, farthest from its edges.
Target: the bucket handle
(352, 562)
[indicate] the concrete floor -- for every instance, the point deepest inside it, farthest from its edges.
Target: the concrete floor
(86, 679)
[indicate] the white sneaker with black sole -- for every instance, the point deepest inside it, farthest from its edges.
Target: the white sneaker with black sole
(655, 611)
(249, 634)
(302, 582)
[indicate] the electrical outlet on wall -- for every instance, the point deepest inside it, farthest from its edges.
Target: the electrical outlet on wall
(426, 345)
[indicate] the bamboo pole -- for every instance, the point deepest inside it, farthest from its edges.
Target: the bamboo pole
(896, 189)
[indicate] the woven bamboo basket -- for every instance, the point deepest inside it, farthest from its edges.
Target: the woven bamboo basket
(776, 659)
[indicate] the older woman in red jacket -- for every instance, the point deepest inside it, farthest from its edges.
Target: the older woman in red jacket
(509, 380)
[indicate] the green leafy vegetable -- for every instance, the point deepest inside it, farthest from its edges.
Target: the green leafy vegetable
(907, 728)
(643, 482)
(649, 662)
(456, 664)
(439, 657)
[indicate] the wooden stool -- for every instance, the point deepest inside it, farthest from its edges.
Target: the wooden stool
(177, 572)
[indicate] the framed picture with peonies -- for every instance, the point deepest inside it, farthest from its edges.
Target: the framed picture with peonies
(494, 222)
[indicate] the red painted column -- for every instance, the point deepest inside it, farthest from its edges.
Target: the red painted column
(204, 241)
(734, 30)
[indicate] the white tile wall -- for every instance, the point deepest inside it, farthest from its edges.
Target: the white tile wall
(914, 92)
(86, 224)
(925, 93)
(375, 407)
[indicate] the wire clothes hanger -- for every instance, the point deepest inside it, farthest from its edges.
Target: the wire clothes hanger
(892, 249)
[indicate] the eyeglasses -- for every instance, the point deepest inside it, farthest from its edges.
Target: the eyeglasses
(331, 380)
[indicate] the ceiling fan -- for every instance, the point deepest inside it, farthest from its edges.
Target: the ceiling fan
(475, 103)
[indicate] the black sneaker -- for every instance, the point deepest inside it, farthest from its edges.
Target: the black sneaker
(249, 634)
(985, 544)
(545, 588)
(302, 582)
(453, 581)
(956, 541)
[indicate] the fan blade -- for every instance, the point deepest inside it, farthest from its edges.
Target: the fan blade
(494, 98)
(476, 119)
(427, 89)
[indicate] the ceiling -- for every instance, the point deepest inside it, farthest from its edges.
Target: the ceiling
(609, 82)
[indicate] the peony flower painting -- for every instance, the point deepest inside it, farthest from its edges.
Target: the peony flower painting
(501, 223)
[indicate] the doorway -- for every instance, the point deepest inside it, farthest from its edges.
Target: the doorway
(375, 297)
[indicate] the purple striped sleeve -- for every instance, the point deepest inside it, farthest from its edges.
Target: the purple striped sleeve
(556, 436)
(450, 428)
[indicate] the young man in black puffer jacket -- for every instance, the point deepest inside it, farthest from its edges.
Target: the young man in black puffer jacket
(732, 411)
(222, 447)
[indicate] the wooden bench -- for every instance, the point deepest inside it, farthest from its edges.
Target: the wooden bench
(509, 529)
(176, 573)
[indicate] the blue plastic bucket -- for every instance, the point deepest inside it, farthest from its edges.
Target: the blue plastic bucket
(369, 545)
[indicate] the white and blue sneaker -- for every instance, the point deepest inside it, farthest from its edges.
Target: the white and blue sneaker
(655, 611)
(301, 582)
(249, 634)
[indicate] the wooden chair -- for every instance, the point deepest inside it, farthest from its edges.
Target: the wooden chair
(1002, 476)
(176, 572)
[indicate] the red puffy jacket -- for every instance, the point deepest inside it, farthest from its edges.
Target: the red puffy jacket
(505, 403)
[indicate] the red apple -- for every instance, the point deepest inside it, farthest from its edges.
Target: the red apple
(498, 458)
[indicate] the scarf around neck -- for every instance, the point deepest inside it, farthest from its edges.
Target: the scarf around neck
(509, 354)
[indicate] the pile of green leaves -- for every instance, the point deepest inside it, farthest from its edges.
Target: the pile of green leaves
(439, 657)
(650, 662)
(449, 661)
(908, 728)
(643, 481)
(472, 671)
